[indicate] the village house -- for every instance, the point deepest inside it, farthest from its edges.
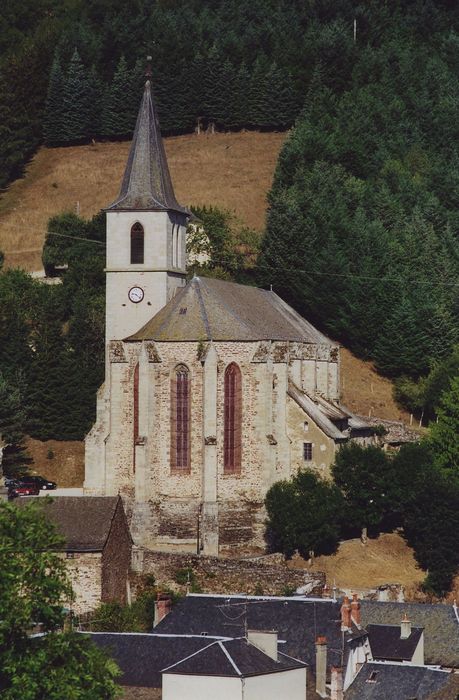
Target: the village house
(344, 659)
(96, 544)
(213, 390)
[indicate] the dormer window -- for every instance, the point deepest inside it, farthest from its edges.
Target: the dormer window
(137, 244)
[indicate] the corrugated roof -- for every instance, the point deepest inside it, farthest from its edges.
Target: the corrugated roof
(441, 626)
(83, 521)
(383, 681)
(147, 182)
(211, 309)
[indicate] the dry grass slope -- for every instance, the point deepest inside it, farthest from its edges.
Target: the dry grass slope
(386, 559)
(233, 171)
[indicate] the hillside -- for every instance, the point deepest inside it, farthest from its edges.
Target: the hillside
(232, 171)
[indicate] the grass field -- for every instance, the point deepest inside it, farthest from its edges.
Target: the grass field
(232, 171)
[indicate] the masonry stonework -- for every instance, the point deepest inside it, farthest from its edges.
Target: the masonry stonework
(170, 509)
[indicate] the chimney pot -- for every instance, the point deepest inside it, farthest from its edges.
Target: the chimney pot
(321, 666)
(405, 627)
(345, 614)
(355, 610)
(336, 690)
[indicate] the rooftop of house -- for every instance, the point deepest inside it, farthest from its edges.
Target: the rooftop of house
(211, 309)
(298, 622)
(386, 681)
(84, 522)
(143, 657)
(232, 658)
(386, 642)
(440, 623)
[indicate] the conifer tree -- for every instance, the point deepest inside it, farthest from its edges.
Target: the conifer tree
(444, 434)
(117, 111)
(14, 459)
(77, 102)
(54, 122)
(240, 102)
(258, 107)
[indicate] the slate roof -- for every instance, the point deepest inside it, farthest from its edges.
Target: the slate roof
(235, 658)
(385, 642)
(210, 309)
(147, 183)
(83, 521)
(141, 657)
(397, 682)
(441, 627)
(298, 621)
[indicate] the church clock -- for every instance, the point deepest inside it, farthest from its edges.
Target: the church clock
(136, 294)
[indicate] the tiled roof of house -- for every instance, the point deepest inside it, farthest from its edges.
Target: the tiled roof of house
(386, 643)
(234, 657)
(147, 183)
(440, 623)
(384, 681)
(211, 309)
(83, 521)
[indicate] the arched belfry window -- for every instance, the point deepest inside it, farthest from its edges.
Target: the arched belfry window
(137, 244)
(180, 419)
(233, 419)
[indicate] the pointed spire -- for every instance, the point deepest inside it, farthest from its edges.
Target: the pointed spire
(147, 183)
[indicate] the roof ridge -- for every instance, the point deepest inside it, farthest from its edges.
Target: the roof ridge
(190, 656)
(232, 662)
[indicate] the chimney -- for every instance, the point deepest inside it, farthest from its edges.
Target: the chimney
(405, 628)
(345, 615)
(336, 691)
(265, 641)
(355, 610)
(163, 606)
(321, 666)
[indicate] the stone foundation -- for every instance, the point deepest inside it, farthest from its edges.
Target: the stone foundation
(258, 575)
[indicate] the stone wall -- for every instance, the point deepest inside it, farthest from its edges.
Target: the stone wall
(216, 575)
(85, 572)
(116, 559)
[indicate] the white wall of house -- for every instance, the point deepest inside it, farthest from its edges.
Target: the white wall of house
(290, 685)
(274, 686)
(177, 687)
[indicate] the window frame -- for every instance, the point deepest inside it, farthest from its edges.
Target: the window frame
(180, 420)
(232, 420)
(137, 249)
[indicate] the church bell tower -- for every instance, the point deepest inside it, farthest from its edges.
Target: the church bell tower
(146, 228)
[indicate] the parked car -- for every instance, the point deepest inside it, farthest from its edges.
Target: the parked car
(23, 490)
(39, 481)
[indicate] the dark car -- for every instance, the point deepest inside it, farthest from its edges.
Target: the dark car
(39, 482)
(23, 490)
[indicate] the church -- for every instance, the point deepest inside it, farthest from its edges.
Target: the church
(213, 390)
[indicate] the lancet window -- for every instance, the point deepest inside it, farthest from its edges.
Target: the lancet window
(180, 419)
(232, 419)
(137, 244)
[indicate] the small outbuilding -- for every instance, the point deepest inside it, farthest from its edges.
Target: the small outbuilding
(97, 545)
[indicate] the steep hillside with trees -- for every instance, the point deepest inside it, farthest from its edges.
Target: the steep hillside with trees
(363, 219)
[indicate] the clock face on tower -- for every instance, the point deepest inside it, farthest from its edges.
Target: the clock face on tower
(136, 294)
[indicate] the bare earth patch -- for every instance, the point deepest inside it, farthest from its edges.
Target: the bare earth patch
(365, 392)
(58, 460)
(232, 171)
(386, 559)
